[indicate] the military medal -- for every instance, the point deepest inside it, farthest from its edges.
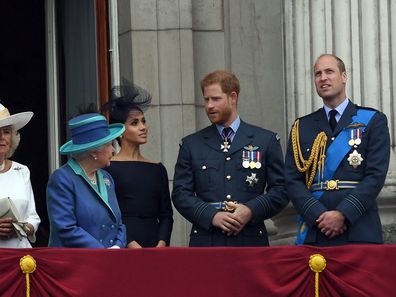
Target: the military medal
(251, 157)
(252, 179)
(258, 158)
(245, 159)
(355, 137)
(355, 159)
(358, 139)
(225, 146)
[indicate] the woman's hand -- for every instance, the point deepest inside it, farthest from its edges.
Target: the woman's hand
(29, 229)
(161, 243)
(6, 228)
(134, 245)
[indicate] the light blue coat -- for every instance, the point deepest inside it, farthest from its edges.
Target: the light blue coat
(78, 215)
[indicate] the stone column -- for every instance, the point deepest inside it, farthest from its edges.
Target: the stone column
(156, 52)
(363, 34)
(166, 46)
(246, 38)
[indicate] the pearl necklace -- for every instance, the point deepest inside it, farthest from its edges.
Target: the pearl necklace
(92, 179)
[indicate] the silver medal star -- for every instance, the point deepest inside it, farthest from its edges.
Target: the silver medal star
(355, 159)
(252, 179)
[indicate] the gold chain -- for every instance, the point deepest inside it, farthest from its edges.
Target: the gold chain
(316, 158)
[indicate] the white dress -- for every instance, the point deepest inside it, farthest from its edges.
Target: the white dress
(15, 183)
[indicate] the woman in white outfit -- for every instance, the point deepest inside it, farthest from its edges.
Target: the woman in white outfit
(15, 184)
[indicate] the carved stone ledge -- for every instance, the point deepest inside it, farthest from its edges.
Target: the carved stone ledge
(389, 233)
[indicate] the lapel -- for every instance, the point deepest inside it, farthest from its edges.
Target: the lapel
(346, 117)
(101, 183)
(242, 138)
(212, 137)
(322, 122)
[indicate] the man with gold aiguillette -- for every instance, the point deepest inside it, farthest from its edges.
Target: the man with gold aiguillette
(336, 164)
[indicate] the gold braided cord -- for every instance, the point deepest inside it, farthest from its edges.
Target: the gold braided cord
(316, 158)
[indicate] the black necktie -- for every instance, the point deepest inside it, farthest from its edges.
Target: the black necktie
(227, 134)
(332, 119)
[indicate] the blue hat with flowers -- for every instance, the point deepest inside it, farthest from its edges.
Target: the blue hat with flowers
(89, 131)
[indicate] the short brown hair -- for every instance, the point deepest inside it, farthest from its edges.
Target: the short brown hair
(227, 80)
(340, 63)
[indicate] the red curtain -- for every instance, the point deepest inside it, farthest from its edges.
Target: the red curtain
(351, 271)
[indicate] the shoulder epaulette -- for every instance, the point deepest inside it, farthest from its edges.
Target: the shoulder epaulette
(365, 107)
(310, 114)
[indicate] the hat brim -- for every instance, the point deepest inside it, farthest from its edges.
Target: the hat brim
(71, 148)
(18, 120)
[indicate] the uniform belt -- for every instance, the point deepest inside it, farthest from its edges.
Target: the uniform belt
(224, 205)
(332, 185)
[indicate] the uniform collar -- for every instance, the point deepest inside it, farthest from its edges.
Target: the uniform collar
(234, 125)
(340, 109)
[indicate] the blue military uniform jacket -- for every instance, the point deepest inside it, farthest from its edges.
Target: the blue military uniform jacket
(78, 216)
(359, 204)
(205, 174)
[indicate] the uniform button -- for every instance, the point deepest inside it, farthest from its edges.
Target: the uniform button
(228, 159)
(261, 232)
(203, 167)
(103, 226)
(111, 241)
(195, 231)
(112, 226)
(228, 196)
(332, 138)
(307, 149)
(101, 240)
(228, 177)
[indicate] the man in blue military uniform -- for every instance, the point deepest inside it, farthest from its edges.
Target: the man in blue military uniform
(229, 177)
(336, 164)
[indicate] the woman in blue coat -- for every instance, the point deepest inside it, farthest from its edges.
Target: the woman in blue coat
(82, 204)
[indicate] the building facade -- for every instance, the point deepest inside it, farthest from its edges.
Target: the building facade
(167, 46)
(66, 52)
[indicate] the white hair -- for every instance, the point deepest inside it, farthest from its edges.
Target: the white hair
(85, 154)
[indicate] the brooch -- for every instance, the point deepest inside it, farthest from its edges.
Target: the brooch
(355, 159)
(106, 182)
